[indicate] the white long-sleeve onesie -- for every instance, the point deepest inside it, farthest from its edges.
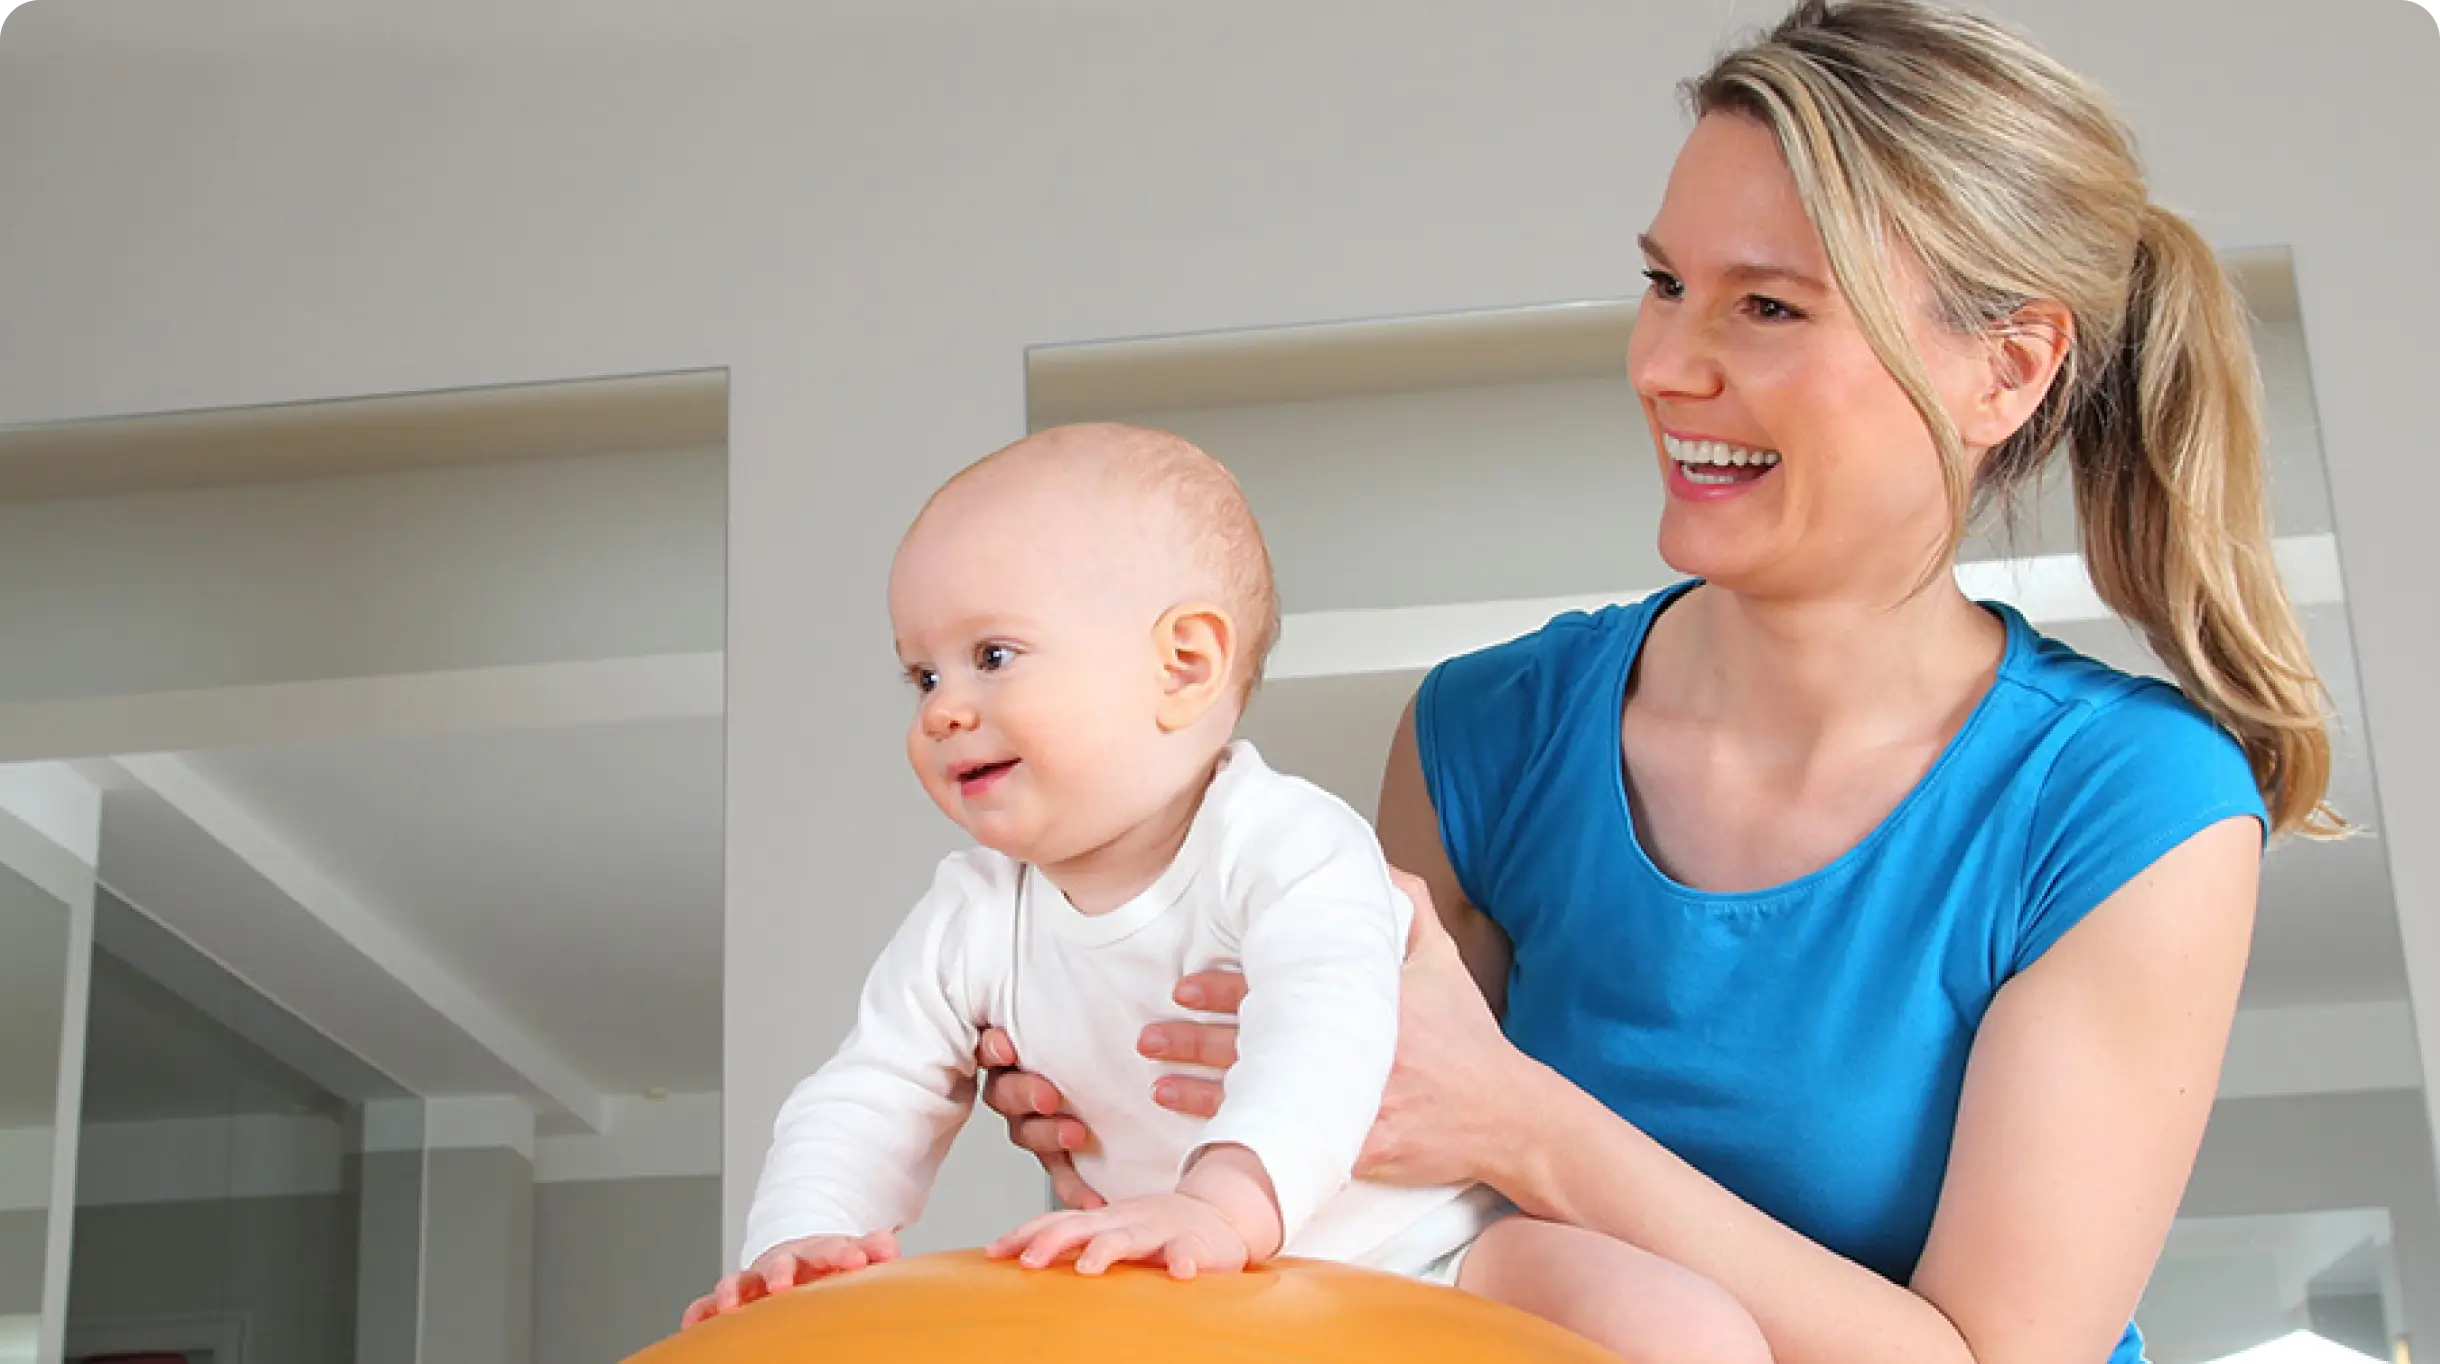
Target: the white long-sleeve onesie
(1276, 878)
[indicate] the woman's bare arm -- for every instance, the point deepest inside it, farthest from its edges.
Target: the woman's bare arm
(1410, 836)
(2085, 1100)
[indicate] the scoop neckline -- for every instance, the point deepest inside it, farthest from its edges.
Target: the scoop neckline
(2016, 632)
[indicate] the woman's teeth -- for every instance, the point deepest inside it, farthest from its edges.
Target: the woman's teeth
(1709, 463)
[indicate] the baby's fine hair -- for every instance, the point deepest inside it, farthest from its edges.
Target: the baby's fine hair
(1210, 510)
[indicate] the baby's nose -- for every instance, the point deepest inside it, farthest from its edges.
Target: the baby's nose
(944, 716)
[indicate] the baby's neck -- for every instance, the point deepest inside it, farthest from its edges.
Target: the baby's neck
(1101, 880)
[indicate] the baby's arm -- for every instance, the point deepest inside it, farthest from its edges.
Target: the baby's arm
(1324, 944)
(857, 1143)
(1323, 941)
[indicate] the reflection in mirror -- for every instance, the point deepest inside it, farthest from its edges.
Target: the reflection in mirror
(35, 936)
(1434, 484)
(405, 715)
(233, 1196)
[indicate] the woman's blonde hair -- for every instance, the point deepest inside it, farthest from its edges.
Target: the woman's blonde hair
(1924, 130)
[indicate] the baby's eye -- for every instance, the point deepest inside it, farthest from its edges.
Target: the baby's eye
(993, 657)
(923, 679)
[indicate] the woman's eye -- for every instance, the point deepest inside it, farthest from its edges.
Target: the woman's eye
(1772, 310)
(1664, 283)
(993, 657)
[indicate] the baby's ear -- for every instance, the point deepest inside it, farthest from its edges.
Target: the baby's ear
(1198, 648)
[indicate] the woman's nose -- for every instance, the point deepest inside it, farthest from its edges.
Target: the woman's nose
(1671, 357)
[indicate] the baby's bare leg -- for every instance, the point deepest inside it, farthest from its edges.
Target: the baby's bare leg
(1629, 1301)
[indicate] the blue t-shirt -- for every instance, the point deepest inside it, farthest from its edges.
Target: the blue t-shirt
(1805, 1045)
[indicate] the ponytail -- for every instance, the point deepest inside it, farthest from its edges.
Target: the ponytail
(2166, 444)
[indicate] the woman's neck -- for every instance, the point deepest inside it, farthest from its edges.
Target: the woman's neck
(1110, 875)
(1804, 676)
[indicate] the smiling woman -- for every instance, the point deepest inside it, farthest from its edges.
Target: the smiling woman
(1852, 941)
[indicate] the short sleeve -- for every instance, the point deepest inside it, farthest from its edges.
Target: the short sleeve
(2145, 772)
(1478, 719)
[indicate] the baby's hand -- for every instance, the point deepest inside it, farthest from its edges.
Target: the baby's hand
(1185, 1233)
(788, 1264)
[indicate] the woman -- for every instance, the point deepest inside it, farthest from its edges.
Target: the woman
(1850, 943)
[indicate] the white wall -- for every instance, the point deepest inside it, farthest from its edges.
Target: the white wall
(868, 211)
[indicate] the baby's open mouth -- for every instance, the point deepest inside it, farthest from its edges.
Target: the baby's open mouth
(976, 776)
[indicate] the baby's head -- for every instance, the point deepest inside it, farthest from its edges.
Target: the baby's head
(1084, 615)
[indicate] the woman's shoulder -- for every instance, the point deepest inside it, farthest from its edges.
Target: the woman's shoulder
(2129, 767)
(1562, 655)
(2110, 722)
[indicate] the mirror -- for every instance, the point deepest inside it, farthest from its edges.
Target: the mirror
(1434, 484)
(406, 718)
(229, 1204)
(35, 947)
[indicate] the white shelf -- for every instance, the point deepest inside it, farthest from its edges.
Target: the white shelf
(2050, 590)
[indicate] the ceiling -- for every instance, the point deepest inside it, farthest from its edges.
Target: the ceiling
(569, 876)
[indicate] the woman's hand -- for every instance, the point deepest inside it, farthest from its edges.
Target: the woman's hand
(1443, 1119)
(1036, 1120)
(1449, 1114)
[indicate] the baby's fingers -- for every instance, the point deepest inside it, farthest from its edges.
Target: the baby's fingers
(736, 1291)
(1179, 1252)
(1054, 1242)
(1016, 1240)
(880, 1248)
(700, 1310)
(1110, 1247)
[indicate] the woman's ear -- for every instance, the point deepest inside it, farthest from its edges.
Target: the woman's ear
(2026, 351)
(1197, 644)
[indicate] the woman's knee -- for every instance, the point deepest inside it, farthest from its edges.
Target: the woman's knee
(1630, 1301)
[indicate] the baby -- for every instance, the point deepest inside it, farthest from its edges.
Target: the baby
(1082, 617)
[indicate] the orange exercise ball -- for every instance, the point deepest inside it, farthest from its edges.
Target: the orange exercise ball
(960, 1306)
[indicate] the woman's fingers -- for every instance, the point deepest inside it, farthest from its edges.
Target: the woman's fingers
(1426, 932)
(1188, 1094)
(995, 1049)
(1015, 1094)
(1069, 1187)
(1192, 1044)
(1219, 992)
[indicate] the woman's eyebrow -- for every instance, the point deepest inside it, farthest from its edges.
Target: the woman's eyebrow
(1744, 272)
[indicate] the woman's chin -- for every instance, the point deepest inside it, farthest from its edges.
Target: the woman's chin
(1710, 557)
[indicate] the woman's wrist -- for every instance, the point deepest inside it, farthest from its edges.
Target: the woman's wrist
(1515, 1158)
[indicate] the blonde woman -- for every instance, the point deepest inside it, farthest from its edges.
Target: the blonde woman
(1809, 925)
